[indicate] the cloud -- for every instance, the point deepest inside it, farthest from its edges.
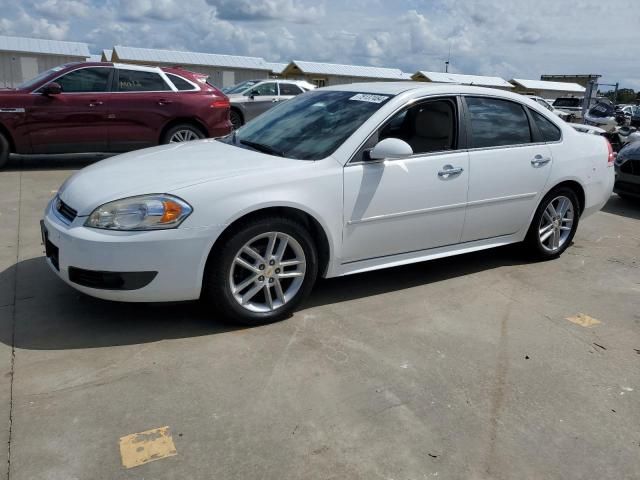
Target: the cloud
(283, 10)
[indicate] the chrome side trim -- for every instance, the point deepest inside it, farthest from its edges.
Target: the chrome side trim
(408, 213)
(388, 216)
(12, 110)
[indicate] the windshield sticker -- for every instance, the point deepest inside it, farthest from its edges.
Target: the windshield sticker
(368, 97)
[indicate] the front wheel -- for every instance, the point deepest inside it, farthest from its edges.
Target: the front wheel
(236, 119)
(554, 224)
(262, 271)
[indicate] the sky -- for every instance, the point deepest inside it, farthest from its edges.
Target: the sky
(508, 38)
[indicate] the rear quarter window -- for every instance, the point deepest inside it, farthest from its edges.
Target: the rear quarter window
(548, 131)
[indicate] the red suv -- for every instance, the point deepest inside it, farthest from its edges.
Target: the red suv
(109, 107)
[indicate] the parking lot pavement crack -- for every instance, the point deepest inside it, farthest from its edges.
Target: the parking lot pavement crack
(13, 327)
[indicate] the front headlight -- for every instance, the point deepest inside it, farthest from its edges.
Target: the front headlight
(146, 212)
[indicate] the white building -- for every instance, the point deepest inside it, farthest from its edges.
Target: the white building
(223, 70)
(460, 79)
(546, 89)
(325, 74)
(24, 58)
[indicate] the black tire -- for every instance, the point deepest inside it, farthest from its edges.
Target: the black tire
(532, 243)
(4, 150)
(216, 290)
(236, 119)
(188, 128)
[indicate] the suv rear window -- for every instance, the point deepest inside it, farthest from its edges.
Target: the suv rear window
(180, 83)
(140, 81)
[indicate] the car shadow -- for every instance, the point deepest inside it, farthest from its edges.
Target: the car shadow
(76, 161)
(50, 315)
(623, 207)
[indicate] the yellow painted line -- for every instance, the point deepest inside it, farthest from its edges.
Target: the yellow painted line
(584, 320)
(144, 447)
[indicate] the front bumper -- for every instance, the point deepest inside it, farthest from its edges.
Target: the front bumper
(151, 266)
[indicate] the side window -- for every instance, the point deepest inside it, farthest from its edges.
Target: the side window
(263, 90)
(180, 83)
(85, 80)
(289, 89)
(427, 127)
(549, 132)
(139, 81)
(496, 122)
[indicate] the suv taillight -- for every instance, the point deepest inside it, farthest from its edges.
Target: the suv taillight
(612, 156)
(220, 103)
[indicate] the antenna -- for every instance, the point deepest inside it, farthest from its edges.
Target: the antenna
(446, 64)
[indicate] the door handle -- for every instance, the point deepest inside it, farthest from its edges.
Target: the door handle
(274, 100)
(449, 170)
(539, 161)
(162, 101)
(95, 103)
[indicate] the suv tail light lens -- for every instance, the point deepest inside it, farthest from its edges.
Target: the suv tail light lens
(220, 102)
(612, 156)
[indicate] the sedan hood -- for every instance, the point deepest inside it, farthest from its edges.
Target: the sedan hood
(162, 170)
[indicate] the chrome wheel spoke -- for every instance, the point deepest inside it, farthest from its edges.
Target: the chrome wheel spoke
(252, 253)
(245, 283)
(556, 223)
(268, 297)
(543, 238)
(290, 274)
(243, 263)
(290, 263)
(282, 246)
(279, 291)
(272, 241)
(251, 293)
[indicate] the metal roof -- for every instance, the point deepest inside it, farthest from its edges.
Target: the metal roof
(482, 81)
(546, 85)
(94, 58)
(129, 54)
(276, 67)
(462, 79)
(347, 70)
(39, 45)
(106, 54)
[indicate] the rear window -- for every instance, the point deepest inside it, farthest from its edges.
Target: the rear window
(548, 131)
(497, 123)
(140, 81)
(567, 102)
(180, 83)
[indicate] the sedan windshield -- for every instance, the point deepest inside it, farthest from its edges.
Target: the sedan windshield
(312, 125)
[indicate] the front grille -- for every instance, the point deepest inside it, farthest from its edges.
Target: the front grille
(631, 167)
(65, 210)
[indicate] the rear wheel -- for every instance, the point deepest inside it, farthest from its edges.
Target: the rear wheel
(182, 133)
(554, 224)
(262, 271)
(236, 119)
(4, 150)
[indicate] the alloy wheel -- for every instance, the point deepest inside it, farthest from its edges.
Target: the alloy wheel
(267, 272)
(183, 136)
(556, 224)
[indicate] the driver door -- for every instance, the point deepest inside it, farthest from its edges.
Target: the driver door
(412, 204)
(75, 120)
(261, 98)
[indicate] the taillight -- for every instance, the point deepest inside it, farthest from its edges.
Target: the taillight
(612, 155)
(220, 103)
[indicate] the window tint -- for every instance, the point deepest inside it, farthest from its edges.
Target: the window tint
(180, 83)
(264, 89)
(85, 80)
(496, 122)
(427, 127)
(138, 81)
(549, 132)
(289, 89)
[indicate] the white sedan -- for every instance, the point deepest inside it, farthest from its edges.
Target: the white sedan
(338, 181)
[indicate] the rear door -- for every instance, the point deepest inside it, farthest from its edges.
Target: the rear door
(261, 98)
(75, 120)
(509, 166)
(141, 105)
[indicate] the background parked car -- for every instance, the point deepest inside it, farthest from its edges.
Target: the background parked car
(253, 97)
(628, 172)
(106, 107)
(561, 113)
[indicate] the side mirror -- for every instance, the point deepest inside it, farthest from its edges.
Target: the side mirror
(52, 88)
(252, 96)
(391, 148)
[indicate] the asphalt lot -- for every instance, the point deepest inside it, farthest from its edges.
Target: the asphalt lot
(462, 368)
